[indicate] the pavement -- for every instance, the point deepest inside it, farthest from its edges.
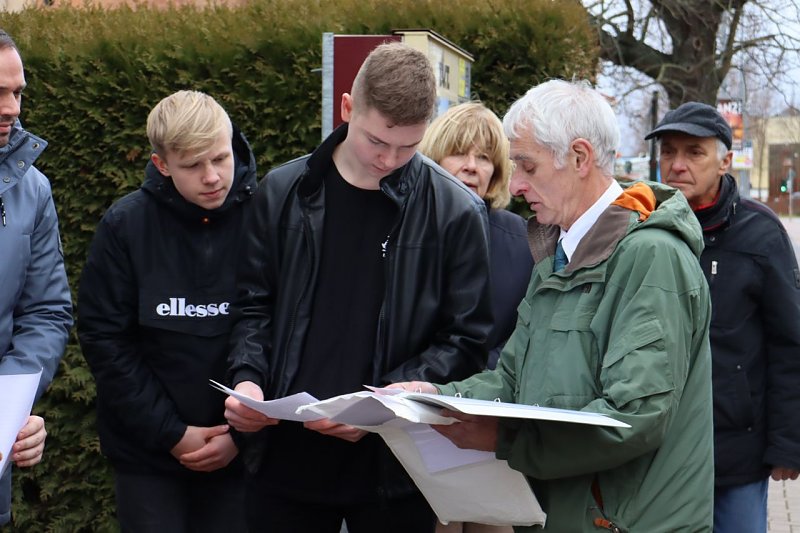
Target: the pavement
(783, 507)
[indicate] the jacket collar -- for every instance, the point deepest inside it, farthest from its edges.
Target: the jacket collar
(660, 207)
(718, 215)
(396, 185)
(18, 156)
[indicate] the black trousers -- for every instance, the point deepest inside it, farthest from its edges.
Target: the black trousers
(148, 503)
(277, 514)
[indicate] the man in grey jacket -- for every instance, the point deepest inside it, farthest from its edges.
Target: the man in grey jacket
(35, 307)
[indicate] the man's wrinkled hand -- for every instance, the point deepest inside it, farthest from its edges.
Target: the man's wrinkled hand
(471, 432)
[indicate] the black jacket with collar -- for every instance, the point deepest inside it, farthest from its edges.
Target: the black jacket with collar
(754, 281)
(154, 317)
(436, 312)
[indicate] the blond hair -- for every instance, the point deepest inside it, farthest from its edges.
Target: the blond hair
(467, 125)
(398, 82)
(186, 121)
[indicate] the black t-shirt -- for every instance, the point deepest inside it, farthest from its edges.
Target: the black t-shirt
(339, 349)
(340, 346)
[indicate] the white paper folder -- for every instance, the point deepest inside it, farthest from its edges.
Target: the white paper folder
(460, 485)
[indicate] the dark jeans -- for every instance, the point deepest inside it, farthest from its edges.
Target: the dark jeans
(275, 514)
(148, 503)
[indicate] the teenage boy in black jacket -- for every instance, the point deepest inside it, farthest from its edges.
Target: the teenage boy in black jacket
(365, 264)
(754, 282)
(154, 319)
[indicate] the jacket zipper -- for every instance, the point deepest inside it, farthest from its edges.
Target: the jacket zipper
(3, 211)
(380, 341)
(602, 521)
(713, 274)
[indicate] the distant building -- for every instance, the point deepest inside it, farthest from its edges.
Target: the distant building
(776, 151)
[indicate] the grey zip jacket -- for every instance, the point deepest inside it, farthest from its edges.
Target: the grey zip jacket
(35, 305)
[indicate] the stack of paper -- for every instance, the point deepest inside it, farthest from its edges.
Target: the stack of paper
(460, 485)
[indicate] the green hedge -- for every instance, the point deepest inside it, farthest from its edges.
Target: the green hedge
(94, 74)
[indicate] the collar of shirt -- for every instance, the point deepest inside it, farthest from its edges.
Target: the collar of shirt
(570, 239)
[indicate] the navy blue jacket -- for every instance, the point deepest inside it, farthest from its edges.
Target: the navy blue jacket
(754, 281)
(510, 263)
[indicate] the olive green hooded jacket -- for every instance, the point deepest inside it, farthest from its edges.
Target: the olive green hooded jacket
(621, 331)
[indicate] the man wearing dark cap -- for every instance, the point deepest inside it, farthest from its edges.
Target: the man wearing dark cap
(754, 280)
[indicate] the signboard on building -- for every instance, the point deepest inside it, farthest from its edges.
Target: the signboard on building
(732, 111)
(342, 56)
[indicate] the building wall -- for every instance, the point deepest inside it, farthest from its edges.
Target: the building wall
(781, 136)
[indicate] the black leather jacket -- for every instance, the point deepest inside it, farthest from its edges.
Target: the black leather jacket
(436, 313)
(754, 281)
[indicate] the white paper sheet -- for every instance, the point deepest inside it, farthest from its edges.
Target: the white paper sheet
(282, 408)
(369, 409)
(17, 392)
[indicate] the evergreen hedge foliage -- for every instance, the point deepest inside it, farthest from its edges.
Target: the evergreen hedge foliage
(93, 75)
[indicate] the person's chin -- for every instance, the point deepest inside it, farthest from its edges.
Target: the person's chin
(210, 203)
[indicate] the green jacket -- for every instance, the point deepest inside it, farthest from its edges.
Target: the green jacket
(621, 331)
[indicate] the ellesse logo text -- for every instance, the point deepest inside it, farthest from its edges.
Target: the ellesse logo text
(179, 307)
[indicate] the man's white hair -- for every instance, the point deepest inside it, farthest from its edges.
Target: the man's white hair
(557, 112)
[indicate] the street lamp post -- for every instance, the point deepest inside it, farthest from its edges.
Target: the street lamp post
(789, 163)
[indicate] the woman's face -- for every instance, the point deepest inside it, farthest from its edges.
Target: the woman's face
(474, 169)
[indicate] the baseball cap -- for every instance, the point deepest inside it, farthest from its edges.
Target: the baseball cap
(697, 120)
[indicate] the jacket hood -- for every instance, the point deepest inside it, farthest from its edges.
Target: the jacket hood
(673, 214)
(244, 183)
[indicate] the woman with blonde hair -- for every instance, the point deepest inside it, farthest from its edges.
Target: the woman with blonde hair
(468, 142)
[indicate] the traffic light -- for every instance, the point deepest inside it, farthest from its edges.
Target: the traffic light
(784, 186)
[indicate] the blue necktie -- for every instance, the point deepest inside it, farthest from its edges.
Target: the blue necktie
(560, 260)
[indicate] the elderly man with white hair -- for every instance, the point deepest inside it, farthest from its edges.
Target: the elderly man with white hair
(615, 321)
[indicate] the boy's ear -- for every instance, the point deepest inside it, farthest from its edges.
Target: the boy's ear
(160, 164)
(346, 107)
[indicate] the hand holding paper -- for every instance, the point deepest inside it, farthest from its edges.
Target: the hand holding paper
(242, 414)
(473, 433)
(29, 447)
(247, 411)
(413, 386)
(16, 399)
